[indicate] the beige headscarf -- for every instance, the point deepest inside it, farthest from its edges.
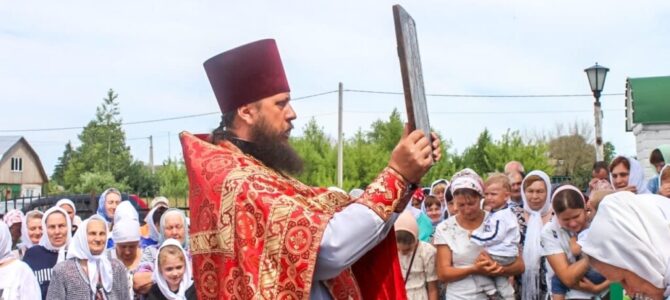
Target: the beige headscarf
(407, 222)
(632, 232)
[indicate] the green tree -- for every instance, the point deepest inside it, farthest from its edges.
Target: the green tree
(610, 152)
(363, 160)
(387, 133)
(103, 147)
(173, 180)
(477, 157)
(141, 181)
(319, 154)
(574, 157)
(97, 182)
(58, 175)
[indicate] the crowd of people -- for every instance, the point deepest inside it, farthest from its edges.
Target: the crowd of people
(259, 233)
(464, 238)
(57, 255)
(518, 236)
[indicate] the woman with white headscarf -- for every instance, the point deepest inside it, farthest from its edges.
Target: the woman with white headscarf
(152, 220)
(633, 242)
(31, 231)
(56, 235)
(68, 206)
(173, 274)
(18, 281)
(126, 236)
(626, 174)
(88, 273)
(173, 225)
(13, 220)
(536, 195)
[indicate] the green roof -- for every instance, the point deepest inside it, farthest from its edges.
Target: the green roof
(650, 100)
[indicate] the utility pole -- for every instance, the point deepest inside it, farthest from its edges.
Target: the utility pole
(340, 142)
(169, 147)
(151, 154)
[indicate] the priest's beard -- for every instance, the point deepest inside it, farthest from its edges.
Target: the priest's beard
(273, 150)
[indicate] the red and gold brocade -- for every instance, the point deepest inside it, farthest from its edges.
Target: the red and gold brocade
(255, 233)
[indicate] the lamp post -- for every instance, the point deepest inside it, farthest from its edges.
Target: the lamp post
(596, 75)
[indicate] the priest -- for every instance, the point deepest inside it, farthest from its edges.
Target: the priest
(259, 233)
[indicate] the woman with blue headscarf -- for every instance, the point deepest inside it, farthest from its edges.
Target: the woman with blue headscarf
(173, 225)
(107, 203)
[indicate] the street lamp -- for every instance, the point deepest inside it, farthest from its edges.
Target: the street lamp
(596, 75)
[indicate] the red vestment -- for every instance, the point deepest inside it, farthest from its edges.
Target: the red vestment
(255, 233)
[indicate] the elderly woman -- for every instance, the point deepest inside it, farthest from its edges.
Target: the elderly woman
(626, 174)
(460, 261)
(57, 233)
(31, 231)
(87, 273)
(536, 211)
(633, 240)
(18, 281)
(126, 236)
(173, 225)
(68, 206)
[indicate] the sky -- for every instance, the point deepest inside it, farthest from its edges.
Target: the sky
(59, 58)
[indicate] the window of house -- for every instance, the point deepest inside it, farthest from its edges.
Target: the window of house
(17, 164)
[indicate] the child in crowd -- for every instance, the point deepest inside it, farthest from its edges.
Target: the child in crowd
(417, 260)
(433, 209)
(173, 274)
(500, 234)
(426, 228)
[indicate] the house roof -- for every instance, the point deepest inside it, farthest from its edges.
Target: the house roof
(648, 100)
(9, 143)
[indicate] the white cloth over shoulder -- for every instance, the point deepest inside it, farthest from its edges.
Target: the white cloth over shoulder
(633, 234)
(532, 249)
(500, 233)
(97, 264)
(350, 234)
(18, 281)
(46, 243)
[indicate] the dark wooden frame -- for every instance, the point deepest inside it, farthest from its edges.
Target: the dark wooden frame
(412, 74)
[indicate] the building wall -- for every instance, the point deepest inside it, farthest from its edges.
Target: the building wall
(647, 138)
(30, 173)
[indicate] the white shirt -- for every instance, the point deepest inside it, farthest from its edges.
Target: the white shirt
(350, 234)
(500, 233)
(556, 240)
(18, 282)
(463, 255)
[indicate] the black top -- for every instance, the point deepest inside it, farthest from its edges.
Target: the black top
(155, 293)
(41, 261)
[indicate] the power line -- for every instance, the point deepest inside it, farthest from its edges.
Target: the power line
(489, 112)
(346, 90)
(485, 95)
